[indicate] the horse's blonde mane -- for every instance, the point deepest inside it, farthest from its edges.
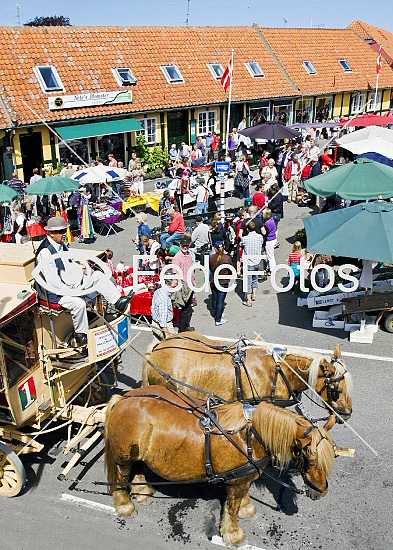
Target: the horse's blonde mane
(277, 428)
(231, 417)
(323, 448)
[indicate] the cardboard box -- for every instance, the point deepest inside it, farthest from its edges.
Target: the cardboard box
(323, 320)
(301, 301)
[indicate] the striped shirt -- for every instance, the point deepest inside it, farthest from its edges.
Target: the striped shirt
(161, 307)
(252, 245)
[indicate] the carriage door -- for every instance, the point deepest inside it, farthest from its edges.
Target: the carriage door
(20, 376)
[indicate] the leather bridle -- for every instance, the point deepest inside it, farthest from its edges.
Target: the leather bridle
(303, 458)
(331, 384)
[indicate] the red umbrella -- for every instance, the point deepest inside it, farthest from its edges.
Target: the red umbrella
(369, 120)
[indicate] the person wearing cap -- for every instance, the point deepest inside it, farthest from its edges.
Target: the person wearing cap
(185, 259)
(52, 272)
(200, 237)
(175, 229)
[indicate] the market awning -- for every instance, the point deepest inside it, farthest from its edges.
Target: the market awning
(94, 129)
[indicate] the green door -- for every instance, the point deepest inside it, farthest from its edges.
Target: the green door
(177, 127)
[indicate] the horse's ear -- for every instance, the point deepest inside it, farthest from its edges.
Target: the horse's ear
(337, 352)
(324, 365)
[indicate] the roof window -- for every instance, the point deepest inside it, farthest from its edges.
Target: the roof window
(216, 69)
(49, 79)
(345, 66)
(309, 67)
(124, 77)
(172, 73)
(254, 69)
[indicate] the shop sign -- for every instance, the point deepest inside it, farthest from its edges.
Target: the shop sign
(89, 99)
(27, 393)
(192, 131)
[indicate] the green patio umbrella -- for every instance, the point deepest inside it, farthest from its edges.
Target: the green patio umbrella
(363, 231)
(52, 185)
(362, 179)
(7, 194)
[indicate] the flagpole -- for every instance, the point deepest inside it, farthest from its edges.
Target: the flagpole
(229, 103)
(377, 79)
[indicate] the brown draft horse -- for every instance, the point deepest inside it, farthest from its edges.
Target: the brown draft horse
(191, 361)
(145, 425)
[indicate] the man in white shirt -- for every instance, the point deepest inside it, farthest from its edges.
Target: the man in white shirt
(35, 176)
(200, 237)
(201, 194)
(55, 273)
(313, 151)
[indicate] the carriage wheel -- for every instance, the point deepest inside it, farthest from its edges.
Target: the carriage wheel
(389, 323)
(96, 393)
(12, 473)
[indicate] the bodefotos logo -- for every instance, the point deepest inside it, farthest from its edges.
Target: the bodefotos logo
(70, 273)
(167, 274)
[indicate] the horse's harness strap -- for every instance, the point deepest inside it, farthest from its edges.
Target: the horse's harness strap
(159, 398)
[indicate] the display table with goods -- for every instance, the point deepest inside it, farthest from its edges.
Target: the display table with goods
(142, 299)
(106, 216)
(152, 200)
(35, 228)
(337, 309)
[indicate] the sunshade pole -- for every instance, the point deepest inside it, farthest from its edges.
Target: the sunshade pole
(61, 140)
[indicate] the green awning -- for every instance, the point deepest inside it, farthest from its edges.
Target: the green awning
(94, 129)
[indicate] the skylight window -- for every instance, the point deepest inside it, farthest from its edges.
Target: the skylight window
(345, 66)
(49, 79)
(124, 77)
(254, 69)
(172, 73)
(216, 69)
(309, 67)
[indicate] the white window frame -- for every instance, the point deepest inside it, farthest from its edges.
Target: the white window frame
(120, 80)
(41, 81)
(309, 67)
(374, 105)
(251, 70)
(349, 70)
(143, 123)
(168, 78)
(357, 103)
(210, 65)
(203, 126)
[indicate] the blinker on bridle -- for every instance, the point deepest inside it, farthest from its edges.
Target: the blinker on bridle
(305, 464)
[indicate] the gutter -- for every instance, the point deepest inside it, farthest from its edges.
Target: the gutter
(275, 58)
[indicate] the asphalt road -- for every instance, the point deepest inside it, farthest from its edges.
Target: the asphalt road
(355, 514)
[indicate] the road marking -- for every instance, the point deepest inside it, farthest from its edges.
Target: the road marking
(316, 350)
(219, 542)
(88, 503)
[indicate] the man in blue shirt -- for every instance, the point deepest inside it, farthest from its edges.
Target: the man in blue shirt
(209, 140)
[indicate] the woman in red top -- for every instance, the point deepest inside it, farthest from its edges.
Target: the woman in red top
(258, 198)
(263, 161)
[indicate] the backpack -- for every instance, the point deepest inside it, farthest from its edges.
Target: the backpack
(245, 171)
(229, 238)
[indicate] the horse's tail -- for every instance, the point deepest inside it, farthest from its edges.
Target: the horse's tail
(145, 364)
(110, 464)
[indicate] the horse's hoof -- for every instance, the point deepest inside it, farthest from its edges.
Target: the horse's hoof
(247, 511)
(144, 500)
(234, 538)
(126, 510)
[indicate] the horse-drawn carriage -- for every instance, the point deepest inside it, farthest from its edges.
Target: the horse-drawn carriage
(43, 379)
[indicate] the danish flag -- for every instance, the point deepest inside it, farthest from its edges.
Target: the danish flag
(378, 60)
(227, 76)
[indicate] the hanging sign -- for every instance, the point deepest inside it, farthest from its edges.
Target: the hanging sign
(27, 393)
(89, 99)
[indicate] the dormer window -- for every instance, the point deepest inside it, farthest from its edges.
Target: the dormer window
(124, 77)
(172, 73)
(309, 67)
(254, 69)
(345, 66)
(49, 79)
(216, 69)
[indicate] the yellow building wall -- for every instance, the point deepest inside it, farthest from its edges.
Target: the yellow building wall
(385, 103)
(46, 149)
(158, 123)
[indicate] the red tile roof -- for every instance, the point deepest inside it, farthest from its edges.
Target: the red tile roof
(368, 32)
(324, 47)
(84, 56)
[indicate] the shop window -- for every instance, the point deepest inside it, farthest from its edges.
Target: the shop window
(124, 77)
(79, 146)
(149, 126)
(172, 73)
(216, 69)
(357, 103)
(345, 66)
(113, 143)
(49, 79)
(206, 122)
(303, 111)
(254, 69)
(20, 348)
(374, 102)
(282, 114)
(258, 115)
(309, 67)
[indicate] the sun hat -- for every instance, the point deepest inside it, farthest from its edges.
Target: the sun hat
(56, 224)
